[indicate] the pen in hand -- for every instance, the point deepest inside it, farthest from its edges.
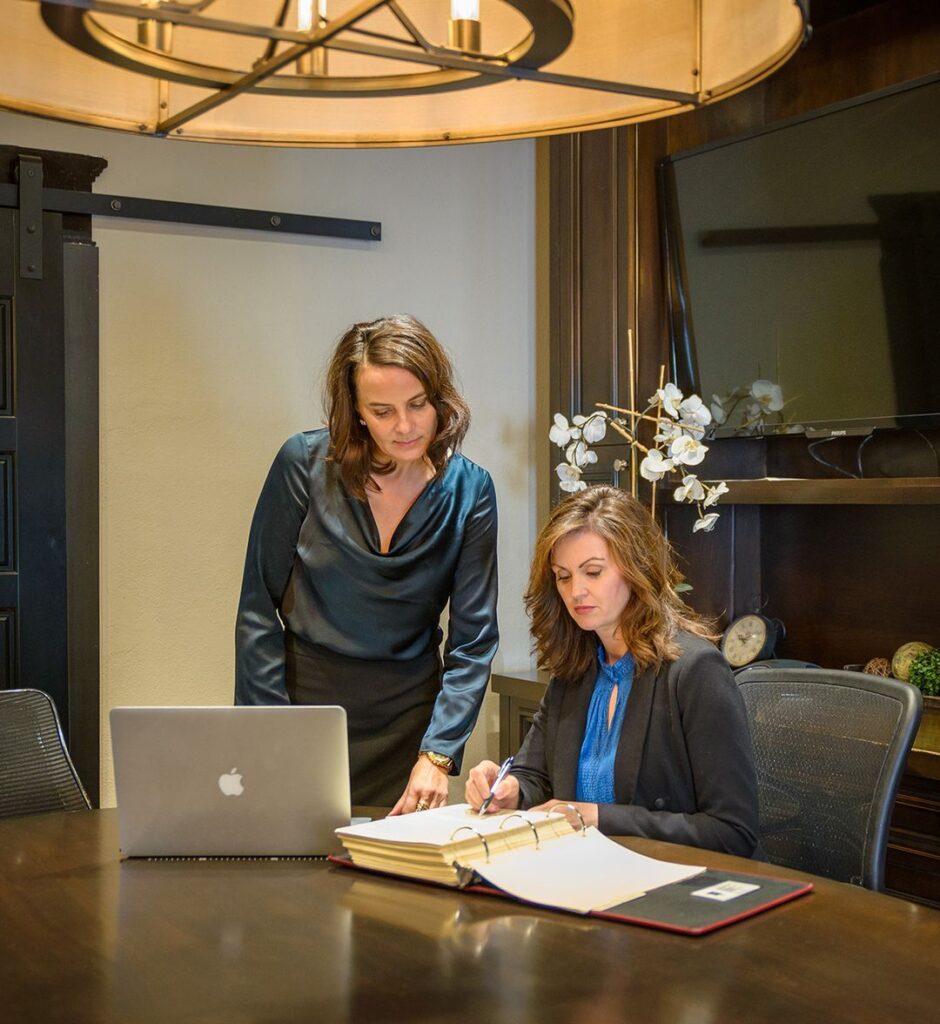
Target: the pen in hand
(500, 775)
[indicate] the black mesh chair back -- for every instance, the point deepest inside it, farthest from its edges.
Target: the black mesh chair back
(36, 772)
(830, 749)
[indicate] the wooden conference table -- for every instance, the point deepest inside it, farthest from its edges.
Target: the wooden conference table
(85, 937)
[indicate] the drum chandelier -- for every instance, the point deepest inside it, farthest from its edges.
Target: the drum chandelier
(383, 72)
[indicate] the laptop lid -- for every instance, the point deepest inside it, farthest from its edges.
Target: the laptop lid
(230, 781)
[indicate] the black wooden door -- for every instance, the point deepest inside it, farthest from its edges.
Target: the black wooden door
(49, 473)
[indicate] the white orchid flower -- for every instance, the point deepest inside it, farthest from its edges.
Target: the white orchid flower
(768, 395)
(620, 465)
(667, 431)
(578, 420)
(714, 493)
(569, 477)
(719, 415)
(560, 433)
(574, 453)
(690, 489)
(595, 428)
(706, 523)
(694, 410)
(753, 413)
(655, 466)
(578, 454)
(687, 451)
(670, 396)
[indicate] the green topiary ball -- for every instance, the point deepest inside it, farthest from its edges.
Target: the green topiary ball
(925, 672)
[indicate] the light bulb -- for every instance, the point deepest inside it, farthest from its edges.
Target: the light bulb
(465, 10)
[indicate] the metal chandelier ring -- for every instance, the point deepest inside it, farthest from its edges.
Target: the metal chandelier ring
(74, 21)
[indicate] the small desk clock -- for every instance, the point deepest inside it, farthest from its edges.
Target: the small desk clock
(751, 637)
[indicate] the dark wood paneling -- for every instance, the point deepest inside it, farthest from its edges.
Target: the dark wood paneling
(7, 513)
(8, 659)
(891, 42)
(49, 462)
(564, 275)
(913, 863)
(80, 288)
(591, 279)
(6, 358)
(601, 214)
(40, 475)
(851, 582)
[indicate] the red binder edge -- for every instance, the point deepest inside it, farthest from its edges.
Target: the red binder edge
(802, 889)
(605, 915)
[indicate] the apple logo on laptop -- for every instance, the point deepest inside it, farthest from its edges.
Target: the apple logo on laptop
(231, 783)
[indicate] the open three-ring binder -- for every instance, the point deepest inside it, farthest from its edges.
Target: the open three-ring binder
(540, 858)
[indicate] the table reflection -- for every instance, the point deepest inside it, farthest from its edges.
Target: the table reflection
(215, 928)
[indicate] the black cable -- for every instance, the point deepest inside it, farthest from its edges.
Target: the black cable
(933, 447)
(858, 453)
(811, 448)
(920, 434)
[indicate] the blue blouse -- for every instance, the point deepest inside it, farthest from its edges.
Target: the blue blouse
(599, 747)
(315, 568)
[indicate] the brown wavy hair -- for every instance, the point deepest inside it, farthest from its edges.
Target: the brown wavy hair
(654, 613)
(398, 340)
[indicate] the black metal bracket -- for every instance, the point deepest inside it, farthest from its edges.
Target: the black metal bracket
(29, 200)
(56, 200)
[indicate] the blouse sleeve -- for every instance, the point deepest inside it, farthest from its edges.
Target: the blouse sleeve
(472, 633)
(721, 758)
(259, 635)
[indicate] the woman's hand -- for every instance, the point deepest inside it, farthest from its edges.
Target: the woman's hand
(427, 788)
(479, 783)
(588, 811)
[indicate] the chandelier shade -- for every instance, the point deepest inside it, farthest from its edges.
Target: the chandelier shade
(358, 73)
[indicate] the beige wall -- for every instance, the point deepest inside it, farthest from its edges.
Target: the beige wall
(212, 343)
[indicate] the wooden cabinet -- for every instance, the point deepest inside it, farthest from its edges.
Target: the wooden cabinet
(519, 696)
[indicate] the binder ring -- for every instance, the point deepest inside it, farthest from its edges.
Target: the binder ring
(580, 818)
(479, 835)
(535, 831)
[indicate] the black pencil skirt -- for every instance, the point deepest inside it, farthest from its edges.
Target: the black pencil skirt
(388, 707)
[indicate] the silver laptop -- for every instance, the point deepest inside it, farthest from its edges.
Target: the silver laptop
(230, 781)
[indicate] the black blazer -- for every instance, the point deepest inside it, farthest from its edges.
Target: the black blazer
(684, 768)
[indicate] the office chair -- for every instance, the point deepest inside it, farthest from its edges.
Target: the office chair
(36, 772)
(830, 749)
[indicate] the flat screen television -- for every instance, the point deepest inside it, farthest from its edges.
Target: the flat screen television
(806, 255)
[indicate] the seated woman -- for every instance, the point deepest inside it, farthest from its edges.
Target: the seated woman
(642, 727)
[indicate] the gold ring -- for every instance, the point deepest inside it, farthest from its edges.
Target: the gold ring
(422, 805)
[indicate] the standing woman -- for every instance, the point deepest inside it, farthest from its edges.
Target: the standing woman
(363, 533)
(642, 727)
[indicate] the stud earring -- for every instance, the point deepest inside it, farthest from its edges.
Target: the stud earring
(362, 421)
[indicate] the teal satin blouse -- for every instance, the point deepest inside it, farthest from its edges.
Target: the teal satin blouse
(314, 563)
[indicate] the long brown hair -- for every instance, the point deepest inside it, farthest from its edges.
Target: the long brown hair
(403, 341)
(654, 613)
